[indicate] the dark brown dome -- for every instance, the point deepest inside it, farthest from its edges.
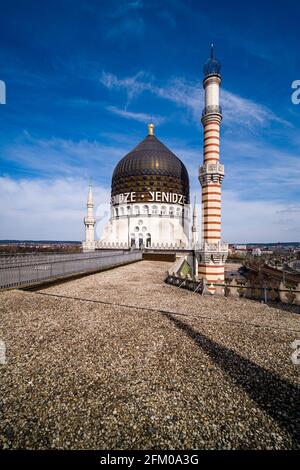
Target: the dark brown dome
(150, 166)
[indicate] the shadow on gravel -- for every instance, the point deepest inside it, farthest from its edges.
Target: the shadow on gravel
(277, 397)
(284, 307)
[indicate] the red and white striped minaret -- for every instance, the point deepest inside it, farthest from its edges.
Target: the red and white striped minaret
(211, 253)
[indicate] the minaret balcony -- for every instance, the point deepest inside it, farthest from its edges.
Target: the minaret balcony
(215, 109)
(211, 173)
(89, 221)
(211, 253)
(212, 247)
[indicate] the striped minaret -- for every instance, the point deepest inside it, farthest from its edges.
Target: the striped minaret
(195, 226)
(212, 252)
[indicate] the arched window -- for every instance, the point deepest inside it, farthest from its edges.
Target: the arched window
(171, 210)
(163, 210)
(154, 210)
(145, 210)
(148, 239)
(178, 211)
(141, 240)
(136, 210)
(132, 239)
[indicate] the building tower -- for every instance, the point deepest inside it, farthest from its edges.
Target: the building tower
(212, 253)
(89, 222)
(195, 226)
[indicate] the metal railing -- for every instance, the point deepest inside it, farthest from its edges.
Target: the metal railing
(214, 109)
(266, 294)
(28, 259)
(16, 271)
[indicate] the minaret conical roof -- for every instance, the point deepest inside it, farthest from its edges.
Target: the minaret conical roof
(212, 66)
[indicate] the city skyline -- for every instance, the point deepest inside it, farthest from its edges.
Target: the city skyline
(83, 82)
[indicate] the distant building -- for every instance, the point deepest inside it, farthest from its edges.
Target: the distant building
(241, 247)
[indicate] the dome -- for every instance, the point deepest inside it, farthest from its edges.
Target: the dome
(150, 166)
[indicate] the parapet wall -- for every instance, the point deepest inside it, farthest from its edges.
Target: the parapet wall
(32, 270)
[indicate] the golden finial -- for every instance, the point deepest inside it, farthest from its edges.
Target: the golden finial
(150, 129)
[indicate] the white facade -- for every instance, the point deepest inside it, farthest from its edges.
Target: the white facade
(155, 225)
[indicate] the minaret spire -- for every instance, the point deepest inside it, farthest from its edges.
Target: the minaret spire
(151, 129)
(90, 196)
(89, 222)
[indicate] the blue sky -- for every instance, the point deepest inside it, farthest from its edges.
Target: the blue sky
(84, 77)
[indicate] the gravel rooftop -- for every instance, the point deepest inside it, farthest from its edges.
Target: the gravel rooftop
(121, 360)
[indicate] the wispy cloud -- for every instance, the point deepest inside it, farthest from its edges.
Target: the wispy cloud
(262, 168)
(168, 18)
(49, 209)
(128, 26)
(247, 112)
(56, 156)
(141, 117)
(126, 19)
(189, 95)
(133, 86)
(257, 220)
(126, 7)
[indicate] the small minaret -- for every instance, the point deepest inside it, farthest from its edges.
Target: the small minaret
(195, 226)
(89, 222)
(212, 253)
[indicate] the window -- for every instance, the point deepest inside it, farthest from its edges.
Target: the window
(141, 240)
(148, 239)
(154, 210)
